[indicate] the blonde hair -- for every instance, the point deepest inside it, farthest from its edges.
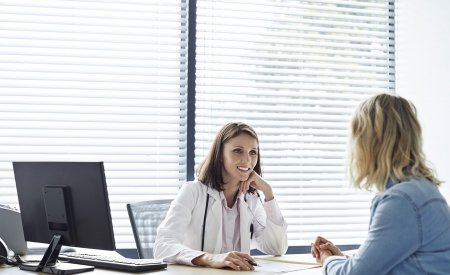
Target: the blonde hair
(386, 143)
(209, 171)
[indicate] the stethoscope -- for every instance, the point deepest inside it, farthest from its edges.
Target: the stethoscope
(245, 199)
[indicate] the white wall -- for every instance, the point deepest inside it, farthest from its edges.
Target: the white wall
(423, 74)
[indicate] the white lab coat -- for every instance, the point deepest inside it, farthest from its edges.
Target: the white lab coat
(182, 228)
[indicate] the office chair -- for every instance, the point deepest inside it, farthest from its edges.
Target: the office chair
(145, 217)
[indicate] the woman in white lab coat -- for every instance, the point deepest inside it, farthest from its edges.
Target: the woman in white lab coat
(215, 220)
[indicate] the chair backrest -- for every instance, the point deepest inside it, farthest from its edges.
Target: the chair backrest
(145, 217)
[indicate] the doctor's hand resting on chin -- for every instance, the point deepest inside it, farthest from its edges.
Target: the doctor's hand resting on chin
(258, 183)
(216, 220)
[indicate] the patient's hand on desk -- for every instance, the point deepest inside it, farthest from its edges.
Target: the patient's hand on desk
(322, 248)
(235, 260)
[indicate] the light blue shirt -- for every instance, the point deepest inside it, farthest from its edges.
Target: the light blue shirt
(409, 234)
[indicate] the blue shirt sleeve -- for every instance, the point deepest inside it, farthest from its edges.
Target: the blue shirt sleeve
(394, 234)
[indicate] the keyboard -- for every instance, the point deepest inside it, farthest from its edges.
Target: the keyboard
(112, 262)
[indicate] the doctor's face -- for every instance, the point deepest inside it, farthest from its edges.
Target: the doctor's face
(239, 157)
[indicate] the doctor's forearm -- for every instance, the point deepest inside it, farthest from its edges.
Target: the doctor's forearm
(268, 194)
(200, 260)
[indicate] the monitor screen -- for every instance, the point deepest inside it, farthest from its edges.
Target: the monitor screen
(68, 199)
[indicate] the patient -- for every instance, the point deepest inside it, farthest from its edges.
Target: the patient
(409, 230)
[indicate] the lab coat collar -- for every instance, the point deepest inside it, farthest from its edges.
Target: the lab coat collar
(213, 193)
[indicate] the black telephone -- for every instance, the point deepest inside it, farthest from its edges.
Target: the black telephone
(5, 255)
(4, 251)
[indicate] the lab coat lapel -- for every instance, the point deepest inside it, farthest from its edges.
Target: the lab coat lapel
(213, 232)
(245, 215)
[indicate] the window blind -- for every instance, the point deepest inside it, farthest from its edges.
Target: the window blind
(295, 70)
(96, 81)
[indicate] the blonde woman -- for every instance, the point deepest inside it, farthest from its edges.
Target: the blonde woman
(409, 230)
(215, 220)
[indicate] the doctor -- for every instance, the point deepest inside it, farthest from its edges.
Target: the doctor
(215, 220)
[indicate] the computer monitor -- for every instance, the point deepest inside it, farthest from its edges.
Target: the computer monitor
(64, 203)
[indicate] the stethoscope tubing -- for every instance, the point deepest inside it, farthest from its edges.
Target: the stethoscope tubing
(206, 211)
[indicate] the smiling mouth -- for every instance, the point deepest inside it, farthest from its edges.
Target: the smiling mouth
(244, 169)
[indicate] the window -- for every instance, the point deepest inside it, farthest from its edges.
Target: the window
(96, 81)
(295, 71)
(107, 81)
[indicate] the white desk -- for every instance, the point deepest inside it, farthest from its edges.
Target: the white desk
(171, 270)
(185, 270)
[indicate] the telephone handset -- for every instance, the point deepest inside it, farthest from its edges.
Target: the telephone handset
(4, 252)
(7, 256)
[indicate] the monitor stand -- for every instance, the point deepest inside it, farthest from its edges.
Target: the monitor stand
(49, 262)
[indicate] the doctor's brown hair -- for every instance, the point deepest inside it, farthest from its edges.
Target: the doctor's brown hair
(209, 171)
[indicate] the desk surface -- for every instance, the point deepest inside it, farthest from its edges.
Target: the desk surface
(188, 270)
(171, 270)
